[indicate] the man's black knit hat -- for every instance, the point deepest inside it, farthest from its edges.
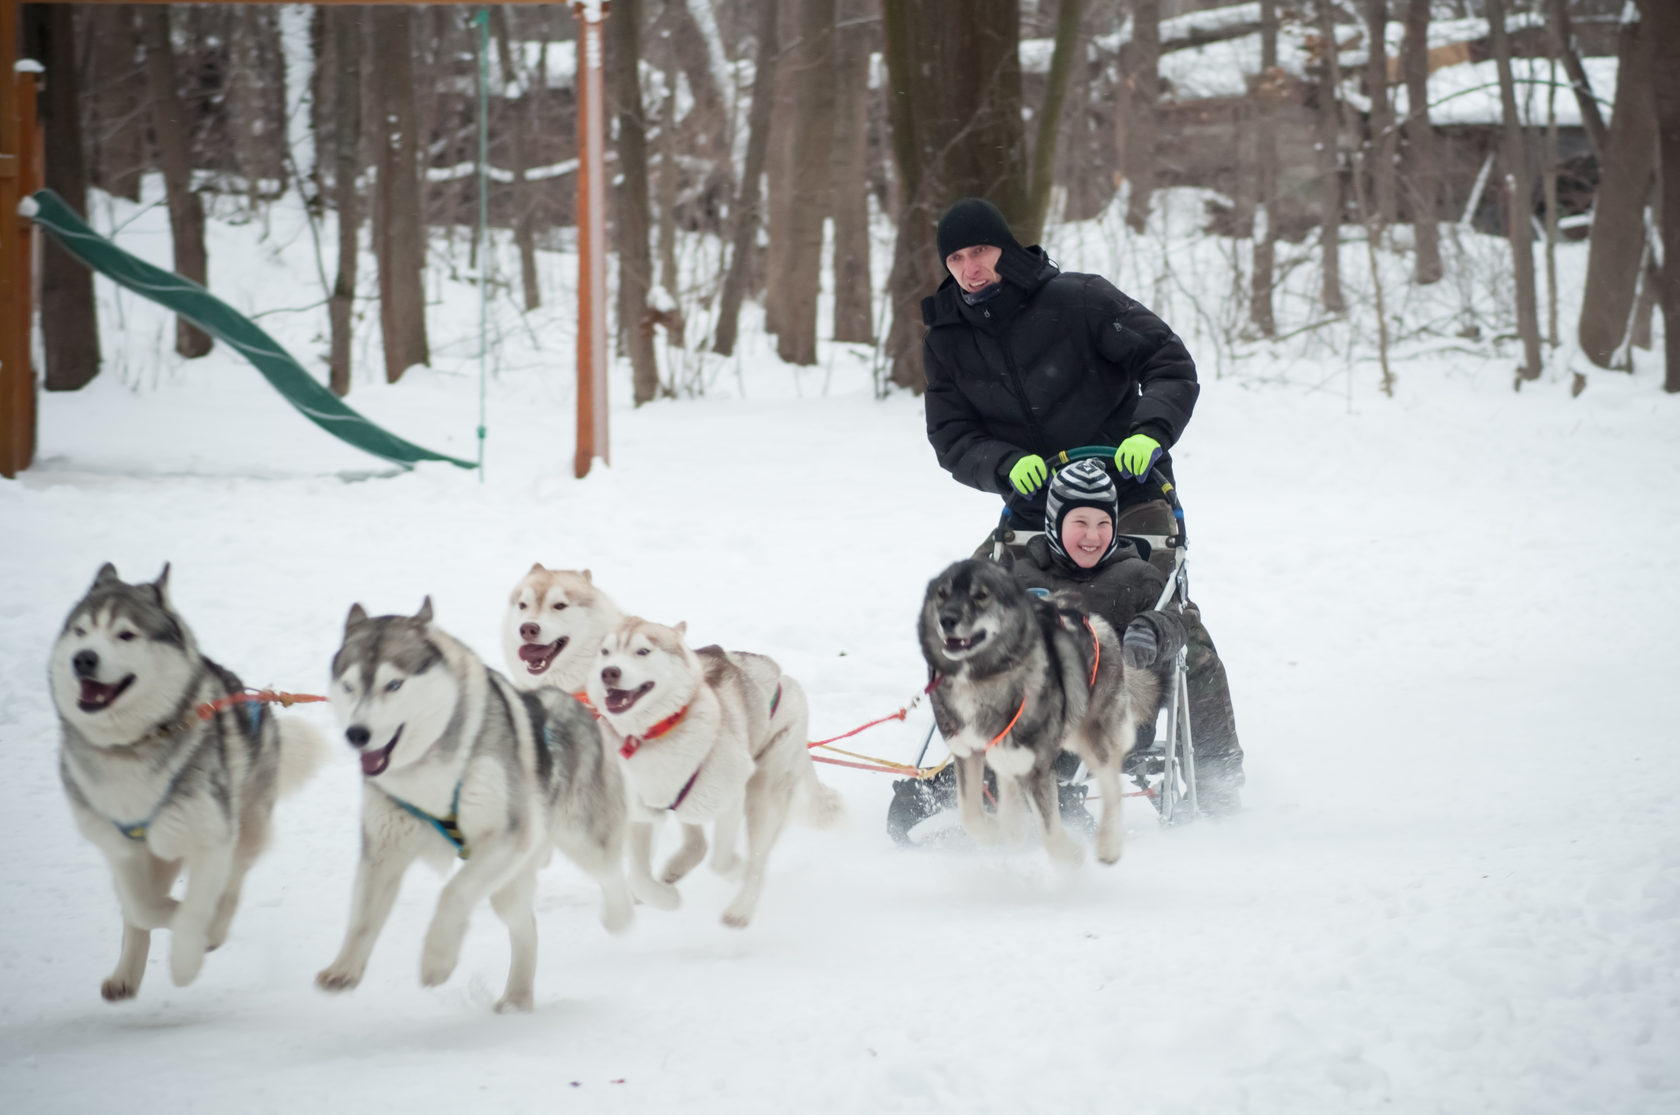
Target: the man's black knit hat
(974, 220)
(971, 221)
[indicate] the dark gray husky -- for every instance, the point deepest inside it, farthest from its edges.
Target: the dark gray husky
(1022, 679)
(156, 786)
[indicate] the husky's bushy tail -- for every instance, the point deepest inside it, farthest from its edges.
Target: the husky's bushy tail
(303, 751)
(820, 806)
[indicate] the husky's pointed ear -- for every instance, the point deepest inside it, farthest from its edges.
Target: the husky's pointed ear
(681, 628)
(536, 567)
(161, 585)
(107, 574)
(357, 616)
(587, 577)
(424, 616)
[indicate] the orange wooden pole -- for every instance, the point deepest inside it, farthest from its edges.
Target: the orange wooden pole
(591, 238)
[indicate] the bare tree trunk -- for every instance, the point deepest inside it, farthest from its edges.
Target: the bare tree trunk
(635, 263)
(1380, 143)
(1329, 165)
(779, 169)
(810, 62)
(1372, 220)
(1519, 196)
(670, 172)
(524, 237)
(1618, 228)
(1591, 118)
(1421, 158)
(344, 27)
(1069, 44)
(245, 100)
(849, 193)
(400, 233)
(1267, 91)
(186, 211)
(118, 98)
(1145, 98)
(743, 216)
(1663, 22)
(69, 318)
(954, 101)
(1549, 184)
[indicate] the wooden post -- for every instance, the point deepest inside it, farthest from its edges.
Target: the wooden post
(591, 239)
(17, 144)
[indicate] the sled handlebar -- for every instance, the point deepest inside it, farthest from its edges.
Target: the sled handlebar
(1157, 478)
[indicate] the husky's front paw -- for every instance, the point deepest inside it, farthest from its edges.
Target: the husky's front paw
(438, 959)
(339, 977)
(520, 1003)
(983, 830)
(118, 988)
(617, 913)
(661, 896)
(186, 957)
(1109, 846)
(1065, 849)
(737, 916)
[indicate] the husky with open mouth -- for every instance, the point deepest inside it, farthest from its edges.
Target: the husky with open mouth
(553, 627)
(1020, 680)
(159, 786)
(458, 764)
(708, 735)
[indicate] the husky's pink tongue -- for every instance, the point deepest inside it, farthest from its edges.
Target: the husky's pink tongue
(96, 695)
(375, 762)
(537, 656)
(620, 699)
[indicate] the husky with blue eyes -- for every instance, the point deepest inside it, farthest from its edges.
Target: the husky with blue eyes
(460, 767)
(166, 769)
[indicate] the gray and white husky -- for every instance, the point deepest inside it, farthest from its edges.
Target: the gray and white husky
(158, 787)
(707, 735)
(1020, 681)
(458, 764)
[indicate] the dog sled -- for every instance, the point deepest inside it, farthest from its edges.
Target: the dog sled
(923, 806)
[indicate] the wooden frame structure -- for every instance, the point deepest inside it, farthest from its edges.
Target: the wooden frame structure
(22, 146)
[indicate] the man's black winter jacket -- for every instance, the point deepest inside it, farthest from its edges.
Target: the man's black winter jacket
(1066, 361)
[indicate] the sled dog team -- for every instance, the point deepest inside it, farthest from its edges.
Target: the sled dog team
(608, 723)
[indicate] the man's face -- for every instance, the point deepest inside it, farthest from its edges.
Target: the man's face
(974, 268)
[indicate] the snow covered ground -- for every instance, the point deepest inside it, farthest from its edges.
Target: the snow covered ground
(1448, 619)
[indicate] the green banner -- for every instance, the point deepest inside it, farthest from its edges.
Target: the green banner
(191, 301)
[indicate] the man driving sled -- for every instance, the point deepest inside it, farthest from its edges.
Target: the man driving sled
(1024, 360)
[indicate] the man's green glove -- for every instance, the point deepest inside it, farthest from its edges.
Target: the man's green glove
(1028, 474)
(1136, 456)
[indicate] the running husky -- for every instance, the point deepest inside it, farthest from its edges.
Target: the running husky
(553, 627)
(457, 763)
(157, 785)
(708, 735)
(1019, 681)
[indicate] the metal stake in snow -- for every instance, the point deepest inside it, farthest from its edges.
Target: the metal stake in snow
(592, 247)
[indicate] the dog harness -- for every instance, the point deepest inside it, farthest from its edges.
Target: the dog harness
(448, 827)
(633, 744)
(138, 830)
(1096, 660)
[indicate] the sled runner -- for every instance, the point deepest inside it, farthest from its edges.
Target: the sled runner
(1165, 771)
